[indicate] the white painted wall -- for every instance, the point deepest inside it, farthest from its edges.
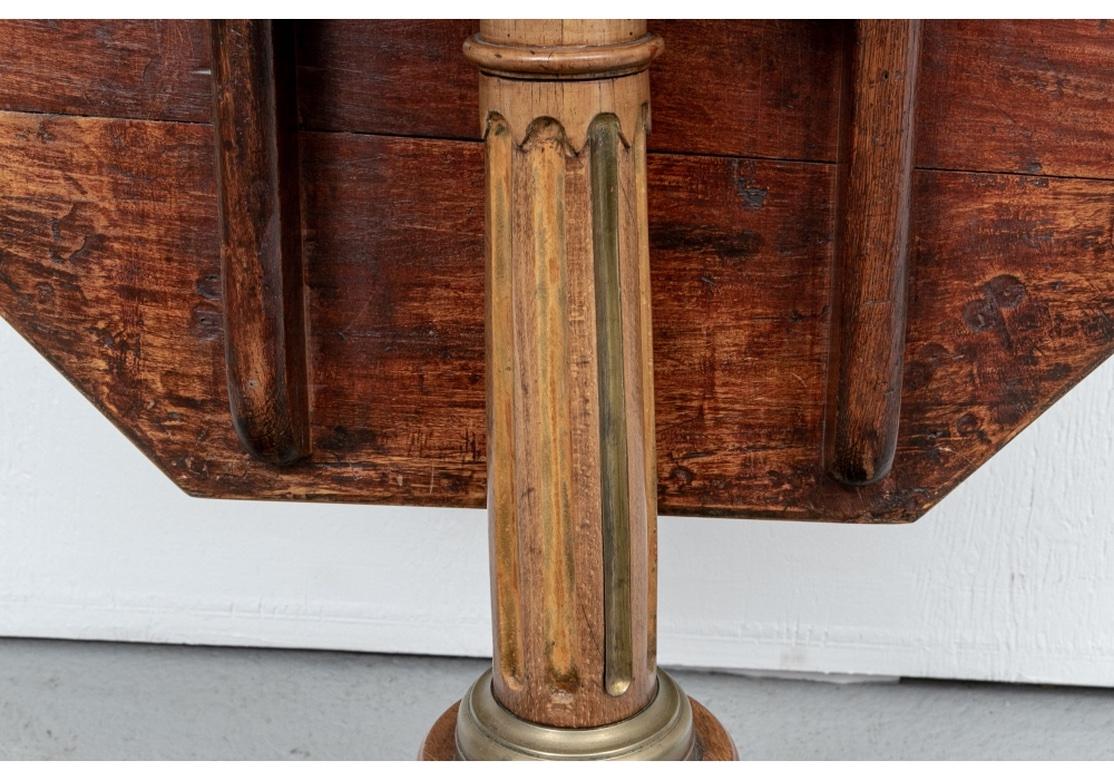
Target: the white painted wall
(1009, 578)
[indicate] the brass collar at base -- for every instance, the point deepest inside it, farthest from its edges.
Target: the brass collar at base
(663, 731)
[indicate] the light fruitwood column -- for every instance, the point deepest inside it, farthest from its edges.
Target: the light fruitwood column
(565, 111)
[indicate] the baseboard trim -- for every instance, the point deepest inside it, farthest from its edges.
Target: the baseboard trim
(740, 650)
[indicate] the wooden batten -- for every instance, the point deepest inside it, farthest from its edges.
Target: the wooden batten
(255, 120)
(874, 191)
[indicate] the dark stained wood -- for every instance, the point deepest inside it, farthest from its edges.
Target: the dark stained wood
(871, 251)
(758, 89)
(440, 742)
(712, 740)
(1009, 96)
(140, 69)
(255, 126)
(396, 272)
(977, 367)
(767, 89)
(748, 104)
(109, 265)
(393, 77)
(1017, 96)
(740, 311)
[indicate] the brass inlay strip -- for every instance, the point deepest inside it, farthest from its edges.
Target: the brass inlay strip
(546, 160)
(603, 140)
(645, 330)
(507, 588)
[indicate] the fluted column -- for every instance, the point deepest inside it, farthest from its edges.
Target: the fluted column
(565, 111)
(570, 385)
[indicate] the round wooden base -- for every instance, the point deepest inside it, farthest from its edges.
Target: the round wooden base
(713, 742)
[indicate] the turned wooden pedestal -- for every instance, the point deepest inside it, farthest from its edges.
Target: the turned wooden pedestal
(565, 111)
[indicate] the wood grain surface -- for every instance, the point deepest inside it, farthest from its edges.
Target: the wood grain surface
(109, 255)
(712, 740)
(143, 69)
(1005, 96)
(873, 197)
(569, 424)
(259, 205)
